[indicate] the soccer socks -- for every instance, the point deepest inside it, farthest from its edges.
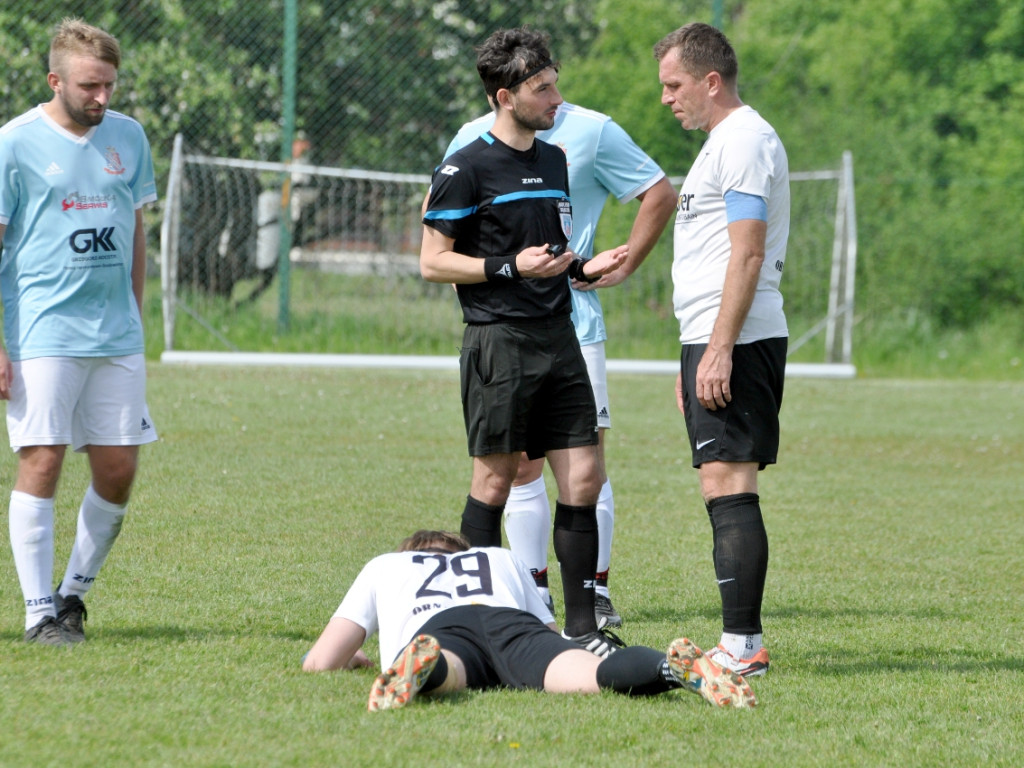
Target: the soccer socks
(528, 521)
(575, 541)
(99, 523)
(741, 560)
(636, 671)
(741, 646)
(31, 526)
(528, 526)
(481, 523)
(437, 682)
(605, 529)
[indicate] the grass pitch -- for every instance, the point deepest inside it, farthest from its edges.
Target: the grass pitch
(893, 610)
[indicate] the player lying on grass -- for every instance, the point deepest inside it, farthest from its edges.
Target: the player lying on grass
(452, 617)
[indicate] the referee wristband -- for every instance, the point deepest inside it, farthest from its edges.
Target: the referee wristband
(500, 268)
(576, 271)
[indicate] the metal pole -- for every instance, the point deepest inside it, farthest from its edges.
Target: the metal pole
(716, 14)
(287, 137)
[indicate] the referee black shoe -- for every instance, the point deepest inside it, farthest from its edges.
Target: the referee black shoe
(603, 608)
(601, 642)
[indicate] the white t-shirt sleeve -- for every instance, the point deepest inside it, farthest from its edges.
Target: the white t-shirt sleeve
(746, 165)
(360, 602)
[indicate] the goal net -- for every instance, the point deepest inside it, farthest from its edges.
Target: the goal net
(263, 261)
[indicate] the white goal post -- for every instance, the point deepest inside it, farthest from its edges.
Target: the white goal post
(221, 235)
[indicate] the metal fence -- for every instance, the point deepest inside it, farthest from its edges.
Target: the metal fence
(309, 129)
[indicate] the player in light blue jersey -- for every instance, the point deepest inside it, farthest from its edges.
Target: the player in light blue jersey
(73, 179)
(603, 160)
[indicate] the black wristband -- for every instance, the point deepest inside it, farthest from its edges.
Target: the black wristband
(576, 271)
(500, 268)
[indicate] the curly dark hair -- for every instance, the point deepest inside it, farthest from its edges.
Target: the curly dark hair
(507, 58)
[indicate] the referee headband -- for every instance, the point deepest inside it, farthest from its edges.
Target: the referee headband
(536, 70)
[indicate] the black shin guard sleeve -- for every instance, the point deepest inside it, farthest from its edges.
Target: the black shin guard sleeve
(741, 560)
(575, 544)
(634, 671)
(481, 523)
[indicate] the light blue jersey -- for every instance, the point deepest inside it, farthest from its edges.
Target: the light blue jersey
(602, 160)
(69, 206)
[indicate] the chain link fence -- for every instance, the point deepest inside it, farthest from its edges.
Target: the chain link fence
(291, 173)
(380, 86)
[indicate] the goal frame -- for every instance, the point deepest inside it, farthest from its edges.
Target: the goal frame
(837, 324)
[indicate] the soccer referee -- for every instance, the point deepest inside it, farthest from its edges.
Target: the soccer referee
(497, 220)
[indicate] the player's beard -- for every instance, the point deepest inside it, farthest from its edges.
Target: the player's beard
(539, 122)
(80, 115)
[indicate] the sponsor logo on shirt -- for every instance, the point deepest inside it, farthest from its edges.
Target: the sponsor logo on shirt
(92, 240)
(533, 180)
(113, 159)
(81, 202)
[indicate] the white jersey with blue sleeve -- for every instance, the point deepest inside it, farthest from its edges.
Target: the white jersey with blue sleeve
(603, 160)
(68, 203)
(396, 593)
(742, 154)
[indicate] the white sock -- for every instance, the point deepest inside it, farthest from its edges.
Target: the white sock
(528, 524)
(741, 646)
(99, 523)
(31, 524)
(605, 530)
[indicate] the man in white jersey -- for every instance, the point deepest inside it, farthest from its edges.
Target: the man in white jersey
(603, 160)
(452, 617)
(731, 230)
(73, 179)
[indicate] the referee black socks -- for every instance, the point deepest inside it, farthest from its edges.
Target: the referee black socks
(481, 523)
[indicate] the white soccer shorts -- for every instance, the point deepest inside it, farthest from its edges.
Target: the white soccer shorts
(79, 401)
(594, 356)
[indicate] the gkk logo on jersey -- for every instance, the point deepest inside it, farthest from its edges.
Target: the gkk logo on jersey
(86, 240)
(565, 216)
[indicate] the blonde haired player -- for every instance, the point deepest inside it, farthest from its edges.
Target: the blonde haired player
(73, 179)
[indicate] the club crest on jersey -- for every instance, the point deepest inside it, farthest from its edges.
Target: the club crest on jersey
(113, 159)
(565, 217)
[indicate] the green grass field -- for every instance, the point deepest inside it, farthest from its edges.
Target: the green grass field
(894, 609)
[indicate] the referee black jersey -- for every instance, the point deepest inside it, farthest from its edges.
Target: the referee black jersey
(495, 201)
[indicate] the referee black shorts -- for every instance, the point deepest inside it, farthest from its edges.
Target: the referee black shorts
(525, 387)
(499, 646)
(747, 428)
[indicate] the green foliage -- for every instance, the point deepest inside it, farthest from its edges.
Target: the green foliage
(619, 76)
(890, 614)
(928, 95)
